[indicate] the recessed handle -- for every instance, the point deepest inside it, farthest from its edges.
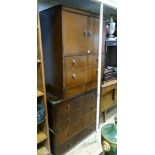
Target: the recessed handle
(74, 76)
(74, 62)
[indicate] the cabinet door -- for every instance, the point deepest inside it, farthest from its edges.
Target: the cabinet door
(74, 28)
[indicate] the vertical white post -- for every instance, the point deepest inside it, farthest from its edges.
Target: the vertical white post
(99, 68)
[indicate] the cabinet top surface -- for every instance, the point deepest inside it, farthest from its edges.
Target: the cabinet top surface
(74, 10)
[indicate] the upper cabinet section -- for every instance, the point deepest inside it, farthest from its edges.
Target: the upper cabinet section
(80, 32)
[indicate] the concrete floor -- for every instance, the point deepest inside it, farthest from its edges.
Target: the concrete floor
(91, 146)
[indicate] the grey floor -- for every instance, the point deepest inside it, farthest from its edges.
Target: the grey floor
(92, 144)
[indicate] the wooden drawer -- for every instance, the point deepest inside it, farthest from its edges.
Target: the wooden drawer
(62, 108)
(67, 106)
(91, 74)
(74, 77)
(70, 143)
(74, 62)
(74, 128)
(60, 123)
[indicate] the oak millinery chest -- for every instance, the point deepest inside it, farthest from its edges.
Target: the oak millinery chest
(70, 50)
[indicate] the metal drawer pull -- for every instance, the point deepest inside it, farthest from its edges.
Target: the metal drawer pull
(85, 33)
(89, 33)
(74, 62)
(74, 76)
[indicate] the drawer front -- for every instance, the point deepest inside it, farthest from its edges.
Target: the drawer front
(74, 77)
(91, 74)
(74, 62)
(66, 107)
(69, 144)
(80, 113)
(74, 128)
(71, 105)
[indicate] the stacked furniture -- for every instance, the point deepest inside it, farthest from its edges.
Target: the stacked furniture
(70, 44)
(42, 121)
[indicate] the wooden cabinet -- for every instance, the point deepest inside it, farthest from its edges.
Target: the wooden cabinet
(69, 118)
(70, 46)
(70, 43)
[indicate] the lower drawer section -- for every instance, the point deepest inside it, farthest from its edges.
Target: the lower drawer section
(69, 144)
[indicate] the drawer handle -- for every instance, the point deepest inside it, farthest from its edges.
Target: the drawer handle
(74, 76)
(89, 33)
(85, 33)
(74, 62)
(88, 52)
(68, 107)
(92, 119)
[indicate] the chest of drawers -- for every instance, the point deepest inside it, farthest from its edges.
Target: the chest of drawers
(70, 48)
(70, 118)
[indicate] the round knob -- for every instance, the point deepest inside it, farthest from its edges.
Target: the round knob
(74, 76)
(74, 62)
(88, 52)
(89, 33)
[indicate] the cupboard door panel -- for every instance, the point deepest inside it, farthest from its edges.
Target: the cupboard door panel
(74, 37)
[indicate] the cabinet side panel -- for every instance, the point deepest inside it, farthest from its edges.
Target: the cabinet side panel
(51, 28)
